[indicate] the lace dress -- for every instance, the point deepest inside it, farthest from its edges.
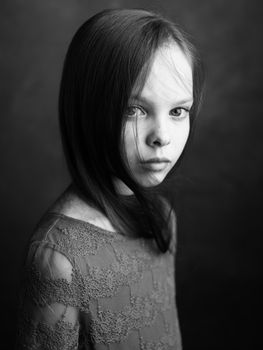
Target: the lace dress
(88, 288)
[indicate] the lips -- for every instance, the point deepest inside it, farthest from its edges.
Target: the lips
(156, 161)
(155, 164)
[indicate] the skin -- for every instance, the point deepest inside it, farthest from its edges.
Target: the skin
(157, 120)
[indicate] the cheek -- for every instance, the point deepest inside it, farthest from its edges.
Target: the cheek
(186, 133)
(180, 135)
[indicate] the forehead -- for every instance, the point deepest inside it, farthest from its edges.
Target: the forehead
(170, 75)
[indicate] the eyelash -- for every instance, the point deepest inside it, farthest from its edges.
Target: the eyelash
(186, 110)
(144, 112)
(134, 107)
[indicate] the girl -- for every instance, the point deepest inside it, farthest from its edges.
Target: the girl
(99, 272)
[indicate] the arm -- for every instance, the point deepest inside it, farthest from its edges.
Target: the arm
(48, 317)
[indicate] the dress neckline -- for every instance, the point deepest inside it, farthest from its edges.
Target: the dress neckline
(83, 222)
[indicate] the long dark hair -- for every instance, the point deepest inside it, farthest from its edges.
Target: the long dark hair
(105, 59)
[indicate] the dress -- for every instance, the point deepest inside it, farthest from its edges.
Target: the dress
(88, 288)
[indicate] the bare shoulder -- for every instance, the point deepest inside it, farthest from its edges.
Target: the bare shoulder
(70, 204)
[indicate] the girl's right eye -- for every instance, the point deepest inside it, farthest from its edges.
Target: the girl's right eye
(134, 111)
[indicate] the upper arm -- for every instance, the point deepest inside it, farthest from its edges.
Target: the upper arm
(48, 315)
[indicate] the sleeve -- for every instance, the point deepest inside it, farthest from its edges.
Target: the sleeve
(48, 312)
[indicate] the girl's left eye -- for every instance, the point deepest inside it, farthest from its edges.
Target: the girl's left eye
(179, 112)
(134, 111)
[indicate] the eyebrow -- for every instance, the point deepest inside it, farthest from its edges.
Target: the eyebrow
(146, 101)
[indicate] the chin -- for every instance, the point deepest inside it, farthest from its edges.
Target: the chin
(151, 181)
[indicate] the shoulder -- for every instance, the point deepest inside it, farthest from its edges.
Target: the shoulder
(74, 239)
(72, 205)
(46, 248)
(51, 273)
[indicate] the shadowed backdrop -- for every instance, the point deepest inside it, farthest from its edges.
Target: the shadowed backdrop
(219, 260)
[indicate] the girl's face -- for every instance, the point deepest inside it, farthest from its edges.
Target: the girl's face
(157, 120)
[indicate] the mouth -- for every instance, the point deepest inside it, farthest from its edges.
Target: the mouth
(156, 161)
(155, 164)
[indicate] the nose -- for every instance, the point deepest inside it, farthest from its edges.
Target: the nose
(159, 135)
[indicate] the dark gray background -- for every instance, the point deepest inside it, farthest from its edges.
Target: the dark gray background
(219, 262)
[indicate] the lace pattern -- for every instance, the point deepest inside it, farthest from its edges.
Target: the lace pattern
(131, 288)
(78, 239)
(167, 341)
(53, 290)
(33, 336)
(142, 311)
(127, 269)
